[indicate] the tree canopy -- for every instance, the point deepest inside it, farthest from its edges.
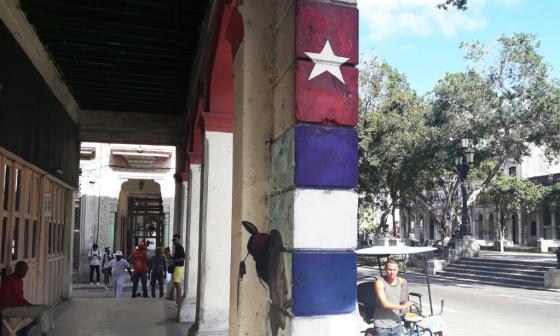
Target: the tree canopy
(390, 131)
(511, 194)
(505, 102)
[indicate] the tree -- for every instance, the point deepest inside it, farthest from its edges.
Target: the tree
(459, 4)
(505, 102)
(389, 130)
(509, 195)
(552, 194)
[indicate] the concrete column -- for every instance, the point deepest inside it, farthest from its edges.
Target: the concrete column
(187, 312)
(553, 222)
(183, 215)
(314, 154)
(520, 227)
(215, 236)
(68, 244)
(540, 226)
(251, 186)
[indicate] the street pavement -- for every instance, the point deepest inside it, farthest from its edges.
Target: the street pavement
(474, 309)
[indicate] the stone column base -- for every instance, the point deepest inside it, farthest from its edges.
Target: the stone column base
(552, 279)
(435, 265)
(209, 328)
(467, 247)
(187, 311)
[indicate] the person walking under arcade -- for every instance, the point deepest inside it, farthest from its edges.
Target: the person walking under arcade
(94, 257)
(107, 257)
(13, 304)
(140, 265)
(157, 271)
(117, 269)
(179, 270)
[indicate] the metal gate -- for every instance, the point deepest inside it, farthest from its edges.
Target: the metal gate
(145, 222)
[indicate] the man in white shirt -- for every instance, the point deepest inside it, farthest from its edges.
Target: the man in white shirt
(117, 269)
(94, 257)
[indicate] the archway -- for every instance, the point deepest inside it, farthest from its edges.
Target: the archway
(141, 216)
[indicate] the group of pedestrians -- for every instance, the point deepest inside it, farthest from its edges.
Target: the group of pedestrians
(161, 268)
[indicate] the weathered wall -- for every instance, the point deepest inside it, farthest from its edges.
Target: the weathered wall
(33, 123)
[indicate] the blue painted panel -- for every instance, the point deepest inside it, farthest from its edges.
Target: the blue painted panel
(323, 283)
(326, 157)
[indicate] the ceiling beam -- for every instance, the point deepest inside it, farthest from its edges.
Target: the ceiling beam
(23, 33)
(130, 127)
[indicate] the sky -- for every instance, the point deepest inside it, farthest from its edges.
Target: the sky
(422, 41)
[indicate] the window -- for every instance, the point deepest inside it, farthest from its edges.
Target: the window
(26, 239)
(4, 233)
(15, 240)
(480, 225)
(6, 187)
(533, 228)
(491, 229)
(50, 238)
(18, 188)
(34, 239)
(61, 238)
(512, 171)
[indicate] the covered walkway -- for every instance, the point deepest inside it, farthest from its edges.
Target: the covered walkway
(89, 313)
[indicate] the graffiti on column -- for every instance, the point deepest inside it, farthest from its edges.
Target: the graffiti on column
(268, 252)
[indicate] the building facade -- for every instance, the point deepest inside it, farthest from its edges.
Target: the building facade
(113, 177)
(522, 229)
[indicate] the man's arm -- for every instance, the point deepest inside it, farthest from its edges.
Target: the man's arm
(380, 292)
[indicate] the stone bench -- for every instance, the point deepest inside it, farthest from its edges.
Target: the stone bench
(435, 265)
(552, 279)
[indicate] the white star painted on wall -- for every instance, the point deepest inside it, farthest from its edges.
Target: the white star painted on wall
(327, 61)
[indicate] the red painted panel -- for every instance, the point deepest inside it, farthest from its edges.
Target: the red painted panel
(325, 99)
(217, 122)
(318, 22)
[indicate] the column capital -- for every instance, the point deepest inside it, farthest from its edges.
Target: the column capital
(217, 121)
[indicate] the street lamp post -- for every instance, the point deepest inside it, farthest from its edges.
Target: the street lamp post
(463, 162)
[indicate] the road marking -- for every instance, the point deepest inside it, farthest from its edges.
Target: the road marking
(445, 309)
(522, 298)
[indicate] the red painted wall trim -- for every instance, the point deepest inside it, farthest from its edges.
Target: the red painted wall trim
(235, 32)
(195, 157)
(217, 122)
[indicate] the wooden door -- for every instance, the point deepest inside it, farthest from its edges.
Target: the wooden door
(32, 224)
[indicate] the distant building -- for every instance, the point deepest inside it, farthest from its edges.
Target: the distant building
(126, 196)
(522, 229)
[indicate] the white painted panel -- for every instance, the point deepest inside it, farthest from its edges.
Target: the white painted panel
(334, 325)
(325, 219)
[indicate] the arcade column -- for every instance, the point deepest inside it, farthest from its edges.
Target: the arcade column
(215, 226)
(313, 206)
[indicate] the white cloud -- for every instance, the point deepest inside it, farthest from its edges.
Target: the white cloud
(386, 19)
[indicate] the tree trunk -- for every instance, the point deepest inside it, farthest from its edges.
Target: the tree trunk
(394, 221)
(502, 244)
